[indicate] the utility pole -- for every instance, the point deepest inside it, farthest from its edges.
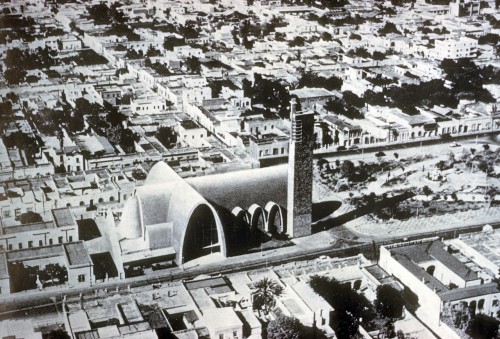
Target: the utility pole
(44, 237)
(7, 242)
(66, 231)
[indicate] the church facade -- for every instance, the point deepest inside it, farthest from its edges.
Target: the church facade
(171, 218)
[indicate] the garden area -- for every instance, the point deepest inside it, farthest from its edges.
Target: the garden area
(25, 277)
(415, 184)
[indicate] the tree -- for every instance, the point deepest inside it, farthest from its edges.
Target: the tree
(347, 169)
(321, 163)
(22, 277)
(29, 218)
(284, 327)
(340, 106)
(483, 327)
(411, 299)
(298, 41)
(388, 28)
(348, 304)
(389, 301)
(193, 65)
(128, 139)
(23, 142)
(267, 291)
(167, 136)
(427, 191)
(325, 36)
(309, 79)
(271, 94)
(13, 97)
(138, 174)
(153, 52)
(171, 41)
(55, 271)
(467, 80)
(14, 76)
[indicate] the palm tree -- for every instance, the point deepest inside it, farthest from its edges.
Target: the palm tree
(267, 291)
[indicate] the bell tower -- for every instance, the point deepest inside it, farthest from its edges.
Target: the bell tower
(300, 171)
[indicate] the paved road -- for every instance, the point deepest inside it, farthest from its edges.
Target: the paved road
(325, 152)
(332, 152)
(28, 301)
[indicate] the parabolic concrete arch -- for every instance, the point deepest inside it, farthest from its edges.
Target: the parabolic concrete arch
(192, 214)
(275, 223)
(241, 224)
(241, 215)
(187, 223)
(257, 217)
(201, 235)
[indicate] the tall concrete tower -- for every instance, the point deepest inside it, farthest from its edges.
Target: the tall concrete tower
(300, 171)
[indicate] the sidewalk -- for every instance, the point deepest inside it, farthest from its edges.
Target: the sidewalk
(364, 227)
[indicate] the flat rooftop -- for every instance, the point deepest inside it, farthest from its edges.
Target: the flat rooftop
(38, 226)
(35, 253)
(435, 250)
(190, 124)
(485, 243)
(308, 93)
(469, 292)
(213, 317)
(77, 254)
(63, 217)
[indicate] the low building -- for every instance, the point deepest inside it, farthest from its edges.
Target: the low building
(460, 8)
(310, 97)
(230, 328)
(268, 145)
(342, 132)
(443, 278)
(463, 47)
(72, 256)
(62, 229)
(192, 134)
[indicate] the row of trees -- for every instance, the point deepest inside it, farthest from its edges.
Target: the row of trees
(349, 105)
(104, 15)
(467, 80)
(467, 83)
(18, 62)
(328, 4)
(310, 79)
(362, 52)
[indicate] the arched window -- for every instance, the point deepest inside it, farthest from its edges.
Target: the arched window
(275, 218)
(81, 203)
(480, 304)
(111, 198)
(472, 307)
